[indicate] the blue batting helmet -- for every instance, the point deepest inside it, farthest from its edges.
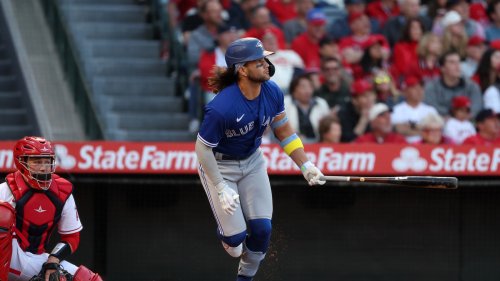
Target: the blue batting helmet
(244, 50)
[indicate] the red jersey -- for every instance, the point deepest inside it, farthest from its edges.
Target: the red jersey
(375, 10)
(205, 65)
(283, 10)
(477, 139)
(389, 138)
(308, 51)
(405, 57)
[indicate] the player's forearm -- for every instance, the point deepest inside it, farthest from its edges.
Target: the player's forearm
(291, 144)
(208, 162)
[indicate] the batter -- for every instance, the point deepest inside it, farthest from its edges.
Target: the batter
(232, 169)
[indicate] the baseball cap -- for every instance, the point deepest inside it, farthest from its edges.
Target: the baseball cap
(475, 41)
(360, 86)
(460, 101)
(410, 81)
(485, 114)
(451, 17)
(316, 16)
(376, 110)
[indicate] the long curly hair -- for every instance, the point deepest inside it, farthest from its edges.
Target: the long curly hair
(221, 78)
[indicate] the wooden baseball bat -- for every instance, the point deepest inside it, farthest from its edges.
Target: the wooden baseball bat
(413, 181)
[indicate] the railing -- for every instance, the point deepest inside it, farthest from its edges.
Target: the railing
(171, 46)
(73, 70)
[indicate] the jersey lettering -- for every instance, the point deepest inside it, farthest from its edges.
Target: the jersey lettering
(242, 131)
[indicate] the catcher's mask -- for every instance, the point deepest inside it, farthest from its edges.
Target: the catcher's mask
(34, 157)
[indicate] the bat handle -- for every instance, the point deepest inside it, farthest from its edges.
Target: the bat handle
(335, 178)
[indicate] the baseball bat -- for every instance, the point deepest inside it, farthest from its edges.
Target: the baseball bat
(413, 181)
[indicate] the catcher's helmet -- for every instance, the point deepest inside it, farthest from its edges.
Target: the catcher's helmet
(34, 147)
(245, 50)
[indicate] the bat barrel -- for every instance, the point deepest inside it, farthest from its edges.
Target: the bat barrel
(414, 181)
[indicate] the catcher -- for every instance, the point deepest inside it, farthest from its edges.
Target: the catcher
(33, 201)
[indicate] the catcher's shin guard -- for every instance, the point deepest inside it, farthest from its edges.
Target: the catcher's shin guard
(7, 219)
(85, 274)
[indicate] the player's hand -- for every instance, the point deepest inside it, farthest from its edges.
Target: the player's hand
(228, 198)
(312, 174)
(48, 272)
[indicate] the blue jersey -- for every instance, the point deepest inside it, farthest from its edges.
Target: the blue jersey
(234, 125)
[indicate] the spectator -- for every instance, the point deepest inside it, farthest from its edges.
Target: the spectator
(283, 10)
(262, 24)
(203, 38)
(394, 26)
(375, 58)
(429, 51)
(296, 26)
(493, 31)
(458, 127)
(461, 7)
(304, 110)
(329, 130)
(240, 13)
(472, 27)
(307, 44)
(341, 27)
(440, 92)
(408, 114)
(475, 49)
(382, 10)
(386, 90)
(225, 35)
(192, 20)
(431, 130)
(354, 117)
(488, 127)
(353, 47)
(335, 88)
(288, 62)
(477, 11)
(381, 127)
(454, 36)
(488, 70)
(405, 50)
(491, 97)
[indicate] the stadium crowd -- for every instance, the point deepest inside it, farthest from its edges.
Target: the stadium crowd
(380, 71)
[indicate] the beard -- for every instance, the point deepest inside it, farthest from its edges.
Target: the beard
(259, 78)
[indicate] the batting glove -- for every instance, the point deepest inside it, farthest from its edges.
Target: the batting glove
(228, 198)
(312, 174)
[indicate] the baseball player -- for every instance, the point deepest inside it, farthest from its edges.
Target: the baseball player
(232, 169)
(33, 201)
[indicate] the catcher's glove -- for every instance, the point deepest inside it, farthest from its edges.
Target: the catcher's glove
(58, 275)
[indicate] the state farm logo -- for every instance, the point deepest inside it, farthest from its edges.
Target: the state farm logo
(409, 159)
(64, 160)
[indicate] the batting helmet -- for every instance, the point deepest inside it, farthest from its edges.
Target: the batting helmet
(35, 147)
(245, 50)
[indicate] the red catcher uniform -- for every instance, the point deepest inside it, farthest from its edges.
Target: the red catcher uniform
(33, 202)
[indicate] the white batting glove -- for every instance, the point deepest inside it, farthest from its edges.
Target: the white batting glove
(228, 198)
(312, 174)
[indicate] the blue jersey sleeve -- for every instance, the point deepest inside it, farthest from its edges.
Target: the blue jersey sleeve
(212, 128)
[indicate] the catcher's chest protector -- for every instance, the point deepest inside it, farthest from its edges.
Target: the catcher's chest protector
(37, 212)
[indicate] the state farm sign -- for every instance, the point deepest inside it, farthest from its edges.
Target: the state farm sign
(345, 159)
